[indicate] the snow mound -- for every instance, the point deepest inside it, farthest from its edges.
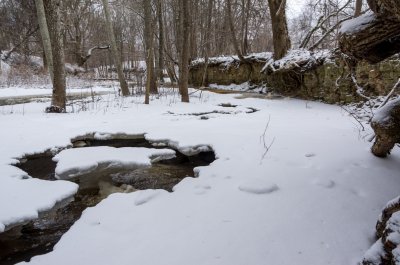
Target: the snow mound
(374, 254)
(32, 197)
(75, 162)
(325, 183)
(258, 186)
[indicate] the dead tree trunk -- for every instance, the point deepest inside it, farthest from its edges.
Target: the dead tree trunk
(370, 37)
(373, 37)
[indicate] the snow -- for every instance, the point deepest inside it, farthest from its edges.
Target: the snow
(135, 65)
(209, 219)
(294, 58)
(4, 66)
(234, 87)
(75, 162)
(147, 195)
(374, 254)
(228, 60)
(382, 116)
(10, 92)
(356, 24)
(258, 186)
(246, 86)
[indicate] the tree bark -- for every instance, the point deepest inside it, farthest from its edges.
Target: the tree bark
(385, 7)
(57, 40)
(148, 39)
(160, 41)
(232, 30)
(374, 41)
(44, 32)
(207, 41)
(357, 8)
(184, 46)
(281, 40)
(373, 37)
(117, 58)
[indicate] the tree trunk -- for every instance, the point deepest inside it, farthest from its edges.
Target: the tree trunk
(116, 55)
(59, 97)
(245, 41)
(232, 30)
(148, 39)
(281, 40)
(374, 41)
(207, 44)
(160, 41)
(357, 8)
(44, 32)
(184, 46)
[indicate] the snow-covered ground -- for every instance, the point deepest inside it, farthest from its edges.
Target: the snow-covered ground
(313, 198)
(10, 92)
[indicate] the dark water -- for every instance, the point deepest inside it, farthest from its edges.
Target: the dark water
(40, 236)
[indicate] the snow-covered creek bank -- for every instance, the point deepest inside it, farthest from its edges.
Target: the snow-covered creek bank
(36, 237)
(313, 198)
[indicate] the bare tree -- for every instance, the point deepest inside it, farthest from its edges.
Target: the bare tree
(148, 40)
(232, 30)
(160, 21)
(59, 97)
(184, 46)
(44, 32)
(116, 55)
(280, 32)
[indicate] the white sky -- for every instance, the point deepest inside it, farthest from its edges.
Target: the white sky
(294, 7)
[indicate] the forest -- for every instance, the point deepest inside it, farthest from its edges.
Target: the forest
(200, 132)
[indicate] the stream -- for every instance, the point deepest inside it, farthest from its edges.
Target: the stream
(39, 236)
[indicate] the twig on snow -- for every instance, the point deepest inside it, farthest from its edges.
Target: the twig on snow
(266, 146)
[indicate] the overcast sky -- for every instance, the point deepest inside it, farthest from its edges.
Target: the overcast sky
(294, 7)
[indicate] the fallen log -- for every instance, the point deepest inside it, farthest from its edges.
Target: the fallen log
(370, 37)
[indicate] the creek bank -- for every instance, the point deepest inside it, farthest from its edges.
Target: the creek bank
(39, 236)
(319, 75)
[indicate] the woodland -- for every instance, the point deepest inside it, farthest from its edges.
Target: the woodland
(200, 132)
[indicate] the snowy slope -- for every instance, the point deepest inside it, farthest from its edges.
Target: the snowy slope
(312, 199)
